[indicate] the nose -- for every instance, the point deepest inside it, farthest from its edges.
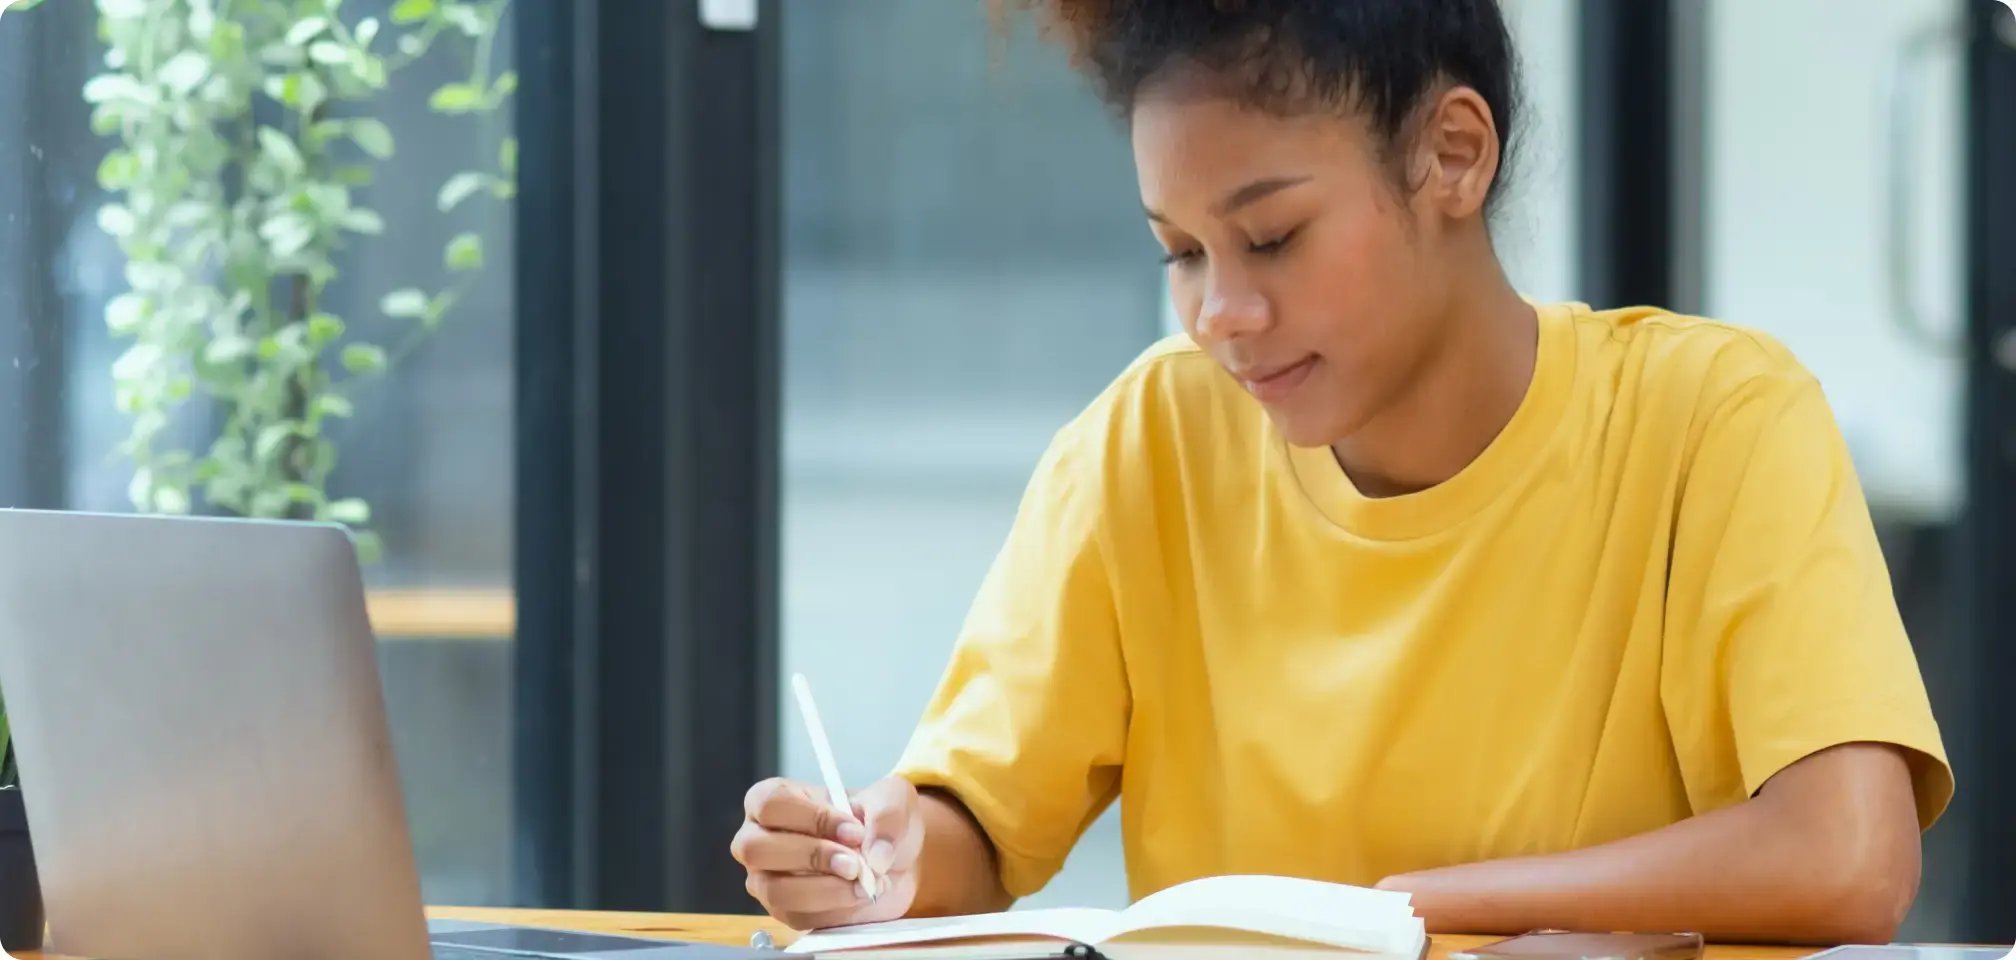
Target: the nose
(1232, 307)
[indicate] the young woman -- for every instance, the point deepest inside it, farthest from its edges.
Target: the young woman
(1382, 574)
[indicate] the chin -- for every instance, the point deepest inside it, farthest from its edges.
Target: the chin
(1303, 428)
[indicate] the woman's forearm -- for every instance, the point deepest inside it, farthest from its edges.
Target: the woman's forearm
(1827, 853)
(956, 873)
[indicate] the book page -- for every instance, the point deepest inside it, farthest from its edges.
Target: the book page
(1072, 924)
(1344, 916)
(1195, 943)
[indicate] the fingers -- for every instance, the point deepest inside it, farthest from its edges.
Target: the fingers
(790, 807)
(761, 849)
(889, 807)
(796, 898)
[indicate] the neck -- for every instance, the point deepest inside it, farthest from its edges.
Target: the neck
(1457, 402)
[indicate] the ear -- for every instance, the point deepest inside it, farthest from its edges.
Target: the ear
(1458, 149)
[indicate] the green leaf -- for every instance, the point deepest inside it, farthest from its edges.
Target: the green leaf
(288, 233)
(144, 276)
(303, 493)
(464, 18)
(465, 252)
(353, 176)
(505, 85)
(223, 483)
(412, 11)
(229, 349)
(302, 91)
(334, 405)
(184, 71)
(370, 71)
(411, 45)
(140, 489)
(372, 136)
(350, 510)
(321, 131)
(269, 349)
(324, 457)
(363, 358)
(456, 98)
(404, 303)
(293, 340)
(171, 500)
(281, 149)
(108, 87)
(367, 31)
(146, 426)
(106, 122)
(124, 314)
(369, 548)
(306, 30)
(206, 155)
(188, 213)
(138, 361)
(360, 220)
(267, 446)
(459, 188)
(116, 220)
(202, 20)
(179, 389)
(284, 56)
(227, 43)
(269, 503)
(328, 53)
(122, 9)
(437, 309)
(326, 201)
(324, 329)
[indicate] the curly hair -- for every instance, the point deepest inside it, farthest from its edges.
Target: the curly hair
(1379, 58)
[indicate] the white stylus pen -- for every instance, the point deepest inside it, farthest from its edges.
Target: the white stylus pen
(836, 791)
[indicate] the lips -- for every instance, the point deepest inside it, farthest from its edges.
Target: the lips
(1273, 384)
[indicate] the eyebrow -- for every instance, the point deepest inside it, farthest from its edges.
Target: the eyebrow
(1248, 194)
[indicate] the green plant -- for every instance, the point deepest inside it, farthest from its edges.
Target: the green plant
(238, 147)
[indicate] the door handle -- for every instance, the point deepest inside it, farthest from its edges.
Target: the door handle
(1904, 83)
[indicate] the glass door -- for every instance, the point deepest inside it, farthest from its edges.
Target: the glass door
(256, 262)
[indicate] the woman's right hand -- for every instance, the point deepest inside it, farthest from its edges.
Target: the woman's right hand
(805, 858)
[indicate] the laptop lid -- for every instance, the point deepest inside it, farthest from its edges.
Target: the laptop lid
(202, 739)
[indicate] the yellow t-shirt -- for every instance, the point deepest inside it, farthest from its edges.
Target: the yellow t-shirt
(1656, 588)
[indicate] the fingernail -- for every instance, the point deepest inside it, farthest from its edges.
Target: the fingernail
(881, 854)
(846, 866)
(849, 833)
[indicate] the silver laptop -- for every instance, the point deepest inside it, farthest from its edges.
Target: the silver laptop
(203, 749)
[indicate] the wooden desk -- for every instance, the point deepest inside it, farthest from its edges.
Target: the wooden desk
(735, 930)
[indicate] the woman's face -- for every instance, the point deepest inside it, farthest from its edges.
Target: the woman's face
(1293, 259)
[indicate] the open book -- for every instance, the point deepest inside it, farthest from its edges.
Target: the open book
(1268, 914)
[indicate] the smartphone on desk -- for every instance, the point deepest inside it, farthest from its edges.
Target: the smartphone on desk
(1570, 945)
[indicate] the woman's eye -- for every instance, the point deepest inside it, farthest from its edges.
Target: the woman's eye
(1274, 245)
(1180, 256)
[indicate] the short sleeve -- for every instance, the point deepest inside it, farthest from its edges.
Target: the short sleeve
(1783, 637)
(1028, 725)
